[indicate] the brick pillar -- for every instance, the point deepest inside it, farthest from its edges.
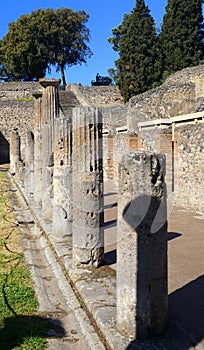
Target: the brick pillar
(62, 180)
(141, 246)
(38, 186)
(14, 151)
(109, 149)
(88, 240)
(50, 110)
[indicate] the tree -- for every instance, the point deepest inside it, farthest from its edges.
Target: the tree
(3, 75)
(135, 40)
(46, 38)
(112, 73)
(181, 37)
(70, 38)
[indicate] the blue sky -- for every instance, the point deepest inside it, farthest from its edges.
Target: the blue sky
(104, 16)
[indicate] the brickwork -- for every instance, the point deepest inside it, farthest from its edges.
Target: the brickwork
(133, 142)
(108, 145)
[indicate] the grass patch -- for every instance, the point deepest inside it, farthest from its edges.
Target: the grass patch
(21, 326)
(25, 99)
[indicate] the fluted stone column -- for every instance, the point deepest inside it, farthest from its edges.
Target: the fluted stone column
(141, 246)
(50, 110)
(38, 186)
(62, 181)
(14, 151)
(88, 240)
(29, 166)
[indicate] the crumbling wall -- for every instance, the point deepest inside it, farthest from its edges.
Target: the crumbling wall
(181, 93)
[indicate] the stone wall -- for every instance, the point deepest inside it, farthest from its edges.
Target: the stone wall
(190, 169)
(181, 93)
(99, 95)
(16, 106)
(16, 114)
(15, 90)
(183, 145)
(114, 147)
(114, 117)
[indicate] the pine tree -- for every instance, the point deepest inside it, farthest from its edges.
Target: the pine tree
(181, 37)
(138, 66)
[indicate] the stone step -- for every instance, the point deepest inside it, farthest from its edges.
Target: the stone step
(67, 100)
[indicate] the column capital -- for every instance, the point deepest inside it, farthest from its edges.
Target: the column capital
(37, 94)
(49, 82)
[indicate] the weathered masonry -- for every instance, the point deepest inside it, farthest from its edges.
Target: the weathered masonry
(63, 153)
(59, 165)
(180, 138)
(180, 97)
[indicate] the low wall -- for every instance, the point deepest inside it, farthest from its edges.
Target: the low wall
(15, 90)
(98, 95)
(16, 106)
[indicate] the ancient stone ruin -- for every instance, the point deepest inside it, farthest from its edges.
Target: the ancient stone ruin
(154, 153)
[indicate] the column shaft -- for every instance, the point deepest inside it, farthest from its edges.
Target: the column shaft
(38, 186)
(141, 246)
(88, 240)
(50, 110)
(62, 181)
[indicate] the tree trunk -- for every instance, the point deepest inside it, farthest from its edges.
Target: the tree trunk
(63, 76)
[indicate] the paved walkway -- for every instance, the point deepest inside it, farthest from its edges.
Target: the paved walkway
(186, 273)
(96, 290)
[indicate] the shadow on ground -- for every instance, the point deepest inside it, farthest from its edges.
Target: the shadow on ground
(110, 257)
(172, 235)
(186, 309)
(16, 330)
(186, 319)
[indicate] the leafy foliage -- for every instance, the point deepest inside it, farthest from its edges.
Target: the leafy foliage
(44, 38)
(181, 36)
(138, 66)
(147, 56)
